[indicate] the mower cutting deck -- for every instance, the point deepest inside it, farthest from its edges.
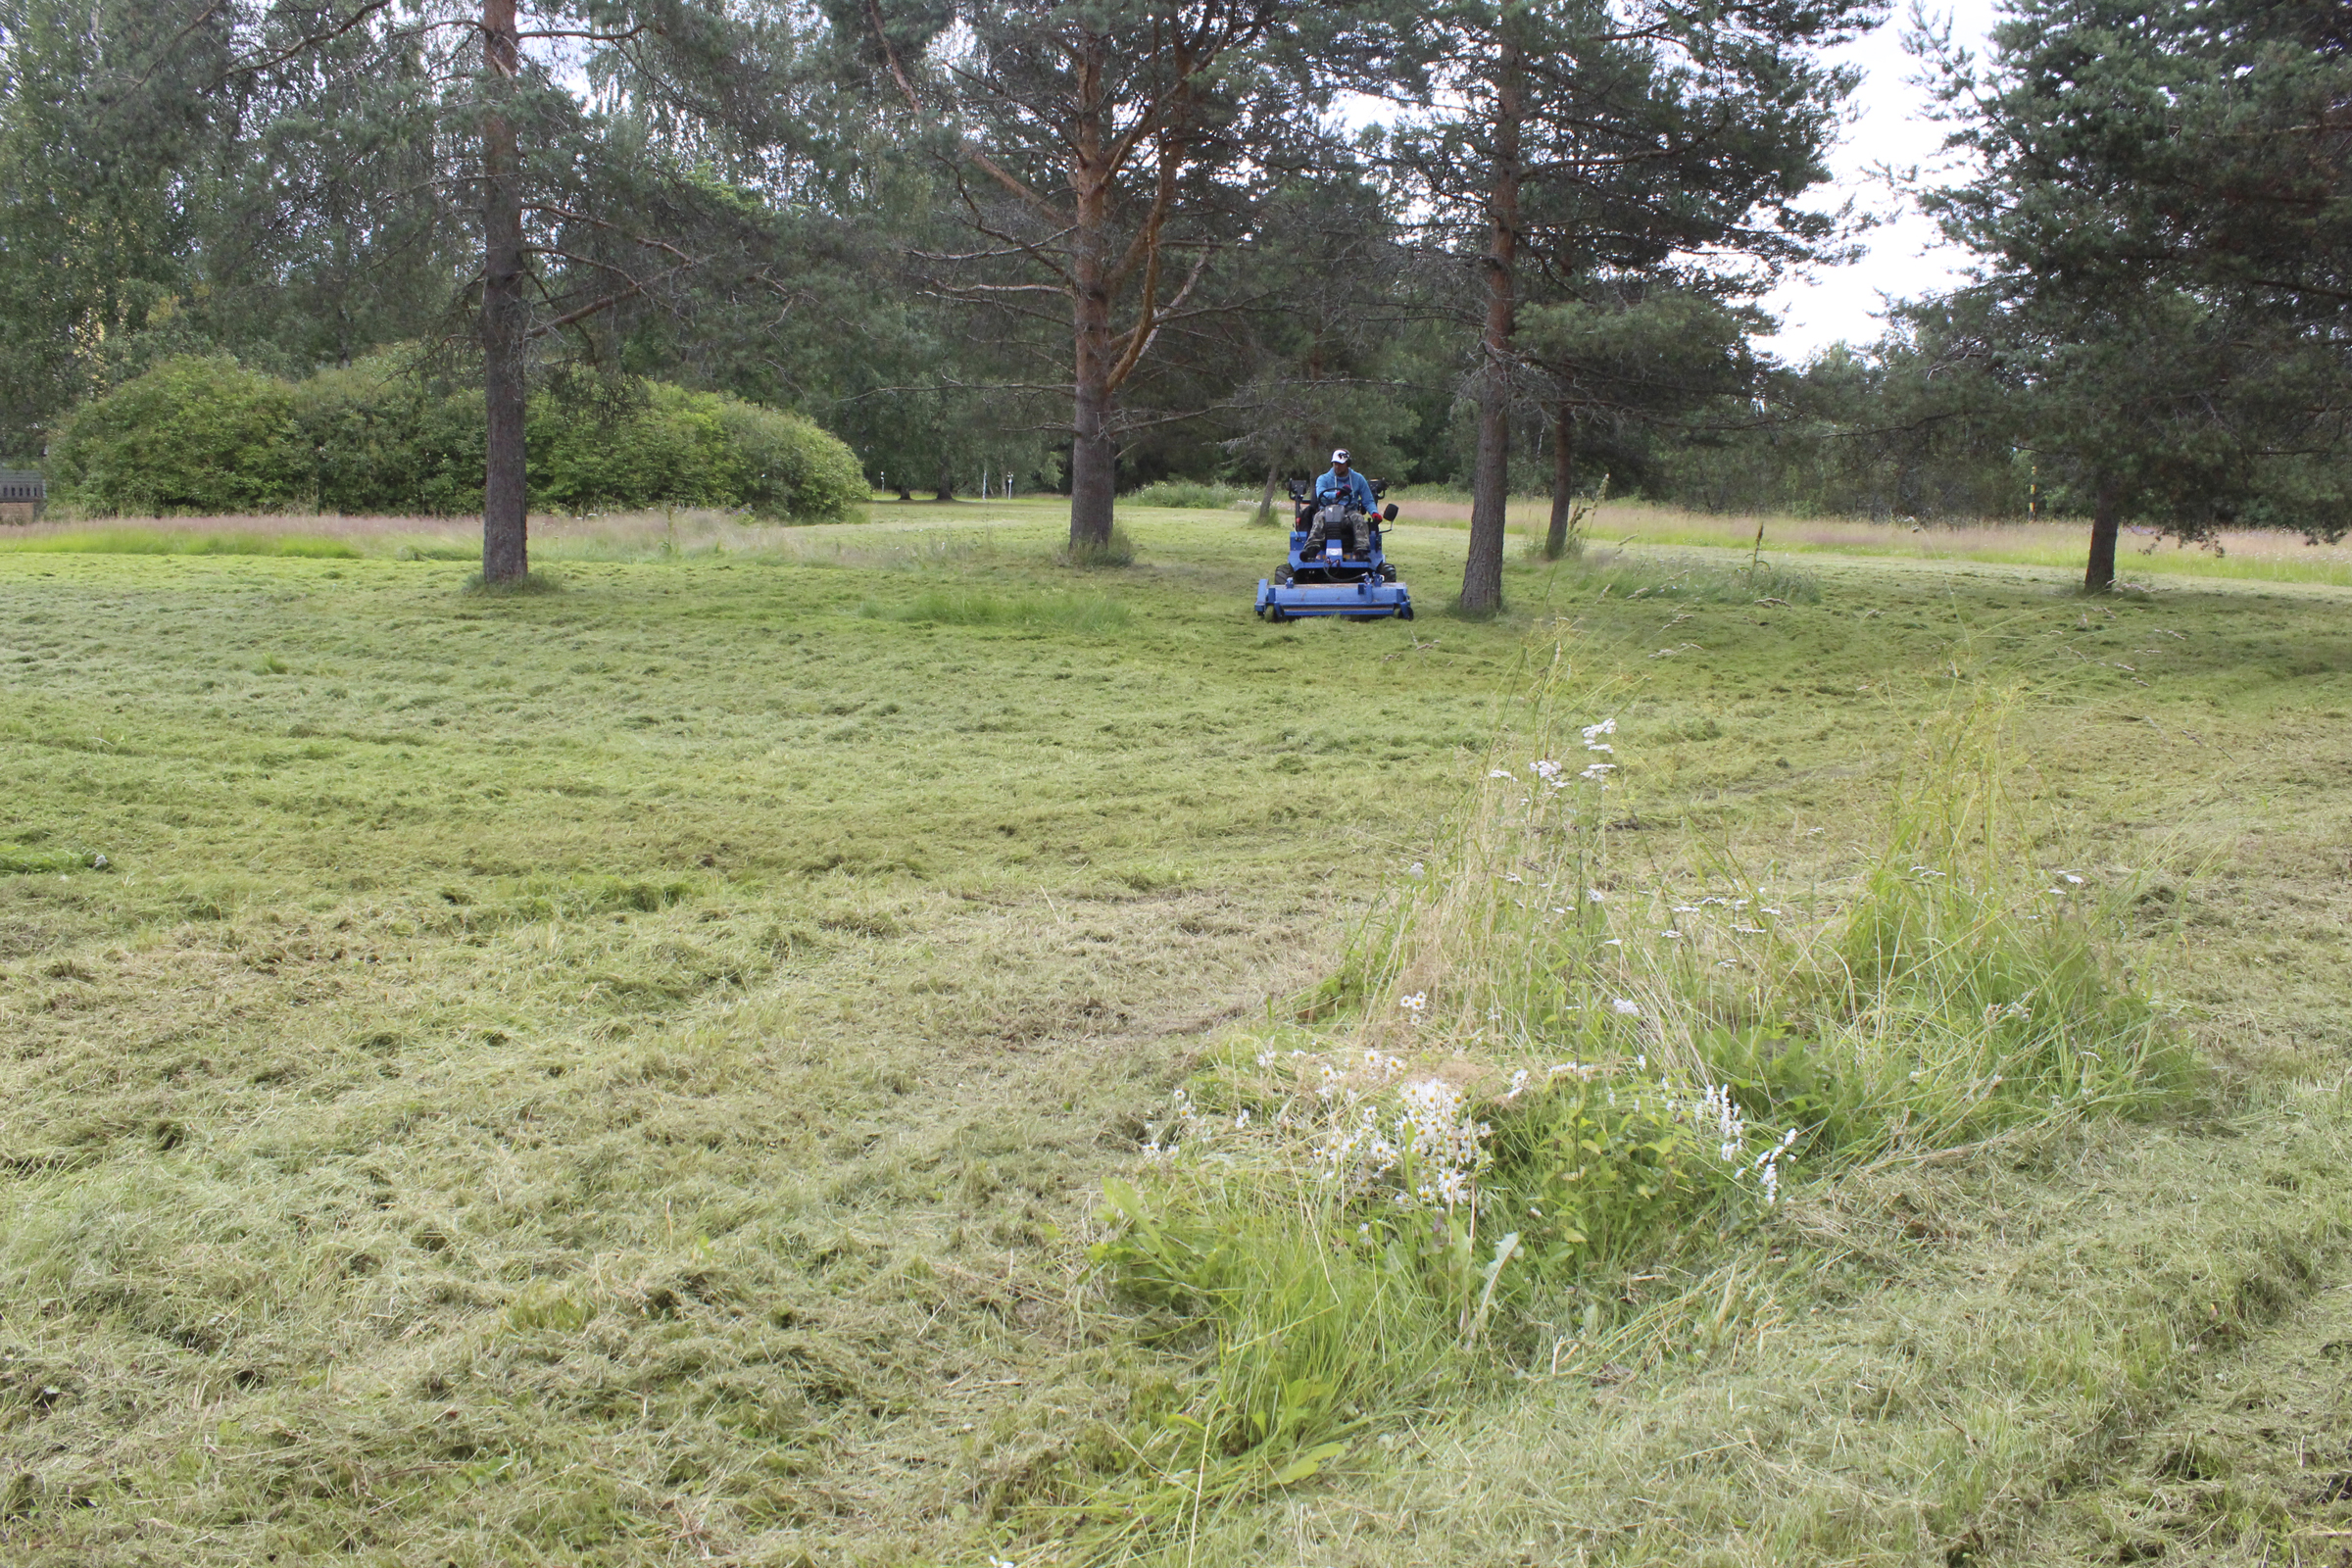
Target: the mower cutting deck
(1329, 577)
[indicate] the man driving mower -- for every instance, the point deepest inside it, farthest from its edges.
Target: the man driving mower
(1342, 497)
(1325, 574)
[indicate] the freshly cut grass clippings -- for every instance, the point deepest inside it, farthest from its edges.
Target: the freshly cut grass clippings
(626, 1075)
(1063, 611)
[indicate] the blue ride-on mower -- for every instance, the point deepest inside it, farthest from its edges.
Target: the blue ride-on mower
(1336, 565)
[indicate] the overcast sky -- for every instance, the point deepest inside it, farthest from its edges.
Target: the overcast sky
(1907, 258)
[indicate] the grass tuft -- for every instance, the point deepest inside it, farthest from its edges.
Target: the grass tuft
(1553, 1070)
(1116, 551)
(530, 583)
(1688, 580)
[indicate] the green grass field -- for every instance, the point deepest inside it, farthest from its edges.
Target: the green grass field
(628, 1074)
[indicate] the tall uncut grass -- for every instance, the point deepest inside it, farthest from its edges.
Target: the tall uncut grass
(175, 542)
(1190, 494)
(1538, 1072)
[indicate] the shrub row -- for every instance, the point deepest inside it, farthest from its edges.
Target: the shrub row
(207, 435)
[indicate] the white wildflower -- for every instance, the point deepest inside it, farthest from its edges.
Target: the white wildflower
(1414, 1003)
(1718, 1114)
(1626, 1008)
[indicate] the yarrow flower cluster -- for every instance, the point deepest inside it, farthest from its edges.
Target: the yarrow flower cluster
(1411, 1142)
(1717, 1114)
(1431, 1139)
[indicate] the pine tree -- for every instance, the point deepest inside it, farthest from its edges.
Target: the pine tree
(1592, 138)
(2164, 198)
(1103, 155)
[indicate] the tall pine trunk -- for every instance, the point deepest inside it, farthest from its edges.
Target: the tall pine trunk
(1266, 501)
(1490, 482)
(1564, 480)
(2106, 521)
(1094, 461)
(506, 551)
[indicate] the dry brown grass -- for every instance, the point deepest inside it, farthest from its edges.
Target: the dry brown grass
(2244, 553)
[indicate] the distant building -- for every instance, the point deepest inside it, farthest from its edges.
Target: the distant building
(22, 495)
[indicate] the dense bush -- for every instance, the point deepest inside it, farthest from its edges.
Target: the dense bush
(785, 465)
(204, 435)
(193, 434)
(381, 442)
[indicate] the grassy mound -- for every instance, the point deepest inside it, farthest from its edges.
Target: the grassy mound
(1552, 1071)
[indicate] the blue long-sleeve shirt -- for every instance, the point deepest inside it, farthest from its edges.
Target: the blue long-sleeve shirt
(1328, 483)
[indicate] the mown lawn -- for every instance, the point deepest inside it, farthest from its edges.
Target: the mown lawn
(623, 1074)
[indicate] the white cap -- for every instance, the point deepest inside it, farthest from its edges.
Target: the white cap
(1341, 456)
